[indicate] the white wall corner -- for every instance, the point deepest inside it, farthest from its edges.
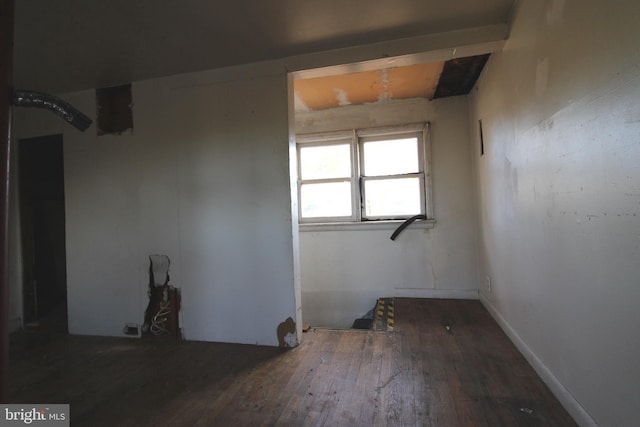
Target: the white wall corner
(575, 409)
(295, 233)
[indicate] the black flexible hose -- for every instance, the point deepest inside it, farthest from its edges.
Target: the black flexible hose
(405, 225)
(27, 98)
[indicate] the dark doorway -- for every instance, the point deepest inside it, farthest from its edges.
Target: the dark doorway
(43, 232)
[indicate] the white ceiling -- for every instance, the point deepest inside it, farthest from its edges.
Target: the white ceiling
(67, 45)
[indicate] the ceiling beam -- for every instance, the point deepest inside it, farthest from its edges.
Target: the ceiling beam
(398, 53)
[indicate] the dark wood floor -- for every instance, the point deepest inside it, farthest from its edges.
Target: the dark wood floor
(446, 364)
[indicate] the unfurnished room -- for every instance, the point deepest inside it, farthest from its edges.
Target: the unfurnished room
(337, 213)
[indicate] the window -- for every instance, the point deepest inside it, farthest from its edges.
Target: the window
(364, 175)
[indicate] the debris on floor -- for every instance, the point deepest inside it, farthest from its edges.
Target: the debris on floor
(379, 318)
(366, 321)
(286, 333)
(362, 323)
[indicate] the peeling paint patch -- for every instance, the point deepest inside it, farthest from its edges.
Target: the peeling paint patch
(287, 336)
(290, 340)
(299, 104)
(342, 97)
(385, 95)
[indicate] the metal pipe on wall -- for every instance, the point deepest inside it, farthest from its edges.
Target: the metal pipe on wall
(28, 98)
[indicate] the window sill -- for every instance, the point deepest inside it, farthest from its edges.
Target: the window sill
(365, 225)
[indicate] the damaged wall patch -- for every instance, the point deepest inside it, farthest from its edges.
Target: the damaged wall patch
(286, 331)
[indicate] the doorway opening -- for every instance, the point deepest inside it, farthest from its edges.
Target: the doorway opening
(42, 217)
(363, 174)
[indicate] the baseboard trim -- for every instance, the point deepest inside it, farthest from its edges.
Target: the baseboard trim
(579, 414)
(436, 293)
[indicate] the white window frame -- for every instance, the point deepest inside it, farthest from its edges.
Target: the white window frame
(356, 138)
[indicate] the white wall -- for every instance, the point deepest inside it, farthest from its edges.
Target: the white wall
(204, 179)
(345, 271)
(130, 191)
(559, 199)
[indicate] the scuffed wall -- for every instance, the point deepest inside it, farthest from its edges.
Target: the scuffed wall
(203, 178)
(344, 271)
(559, 199)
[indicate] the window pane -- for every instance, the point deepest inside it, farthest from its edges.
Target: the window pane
(329, 161)
(391, 157)
(326, 199)
(392, 197)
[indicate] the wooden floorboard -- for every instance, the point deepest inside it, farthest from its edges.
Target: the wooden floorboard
(447, 363)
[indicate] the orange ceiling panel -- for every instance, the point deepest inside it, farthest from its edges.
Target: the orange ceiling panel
(414, 81)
